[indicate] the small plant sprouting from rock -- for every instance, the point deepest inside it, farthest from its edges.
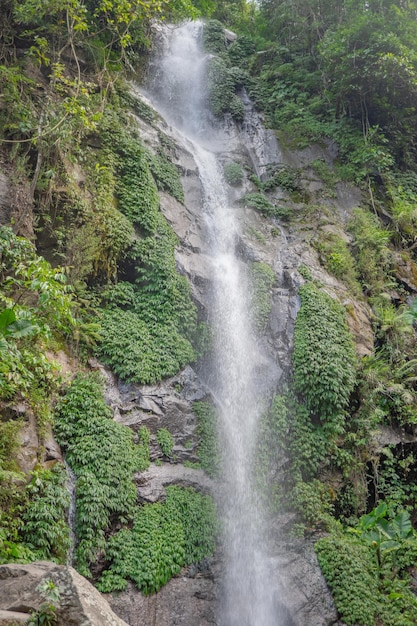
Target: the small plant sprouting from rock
(46, 614)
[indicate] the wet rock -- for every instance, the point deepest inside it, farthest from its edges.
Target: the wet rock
(183, 601)
(405, 271)
(306, 594)
(359, 322)
(5, 197)
(151, 484)
(176, 214)
(52, 450)
(80, 603)
(27, 456)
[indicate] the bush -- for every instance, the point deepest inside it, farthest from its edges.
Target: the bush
(233, 174)
(165, 440)
(103, 457)
(324, 356)
(45, 529)
(141, 352)
(164, 537)
(348, 568)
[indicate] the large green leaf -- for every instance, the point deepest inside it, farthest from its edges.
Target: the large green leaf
(7, 317)
(401, 525)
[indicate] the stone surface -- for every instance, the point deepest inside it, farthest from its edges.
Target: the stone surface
(193, 600)
(12, 618)
(80, 603)
(184, 601)
(27, 456)
(151, 484)
(304, 592)
(5, 195)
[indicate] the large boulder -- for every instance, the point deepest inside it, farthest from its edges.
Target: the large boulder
(80, 603)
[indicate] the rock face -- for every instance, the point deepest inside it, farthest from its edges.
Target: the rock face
(80, 603)
(193, 598)
(184, 601)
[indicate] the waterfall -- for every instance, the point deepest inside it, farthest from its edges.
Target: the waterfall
(71, 481)
(239, 377)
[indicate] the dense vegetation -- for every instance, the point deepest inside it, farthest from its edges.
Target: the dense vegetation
(87, 266)
(93, 272)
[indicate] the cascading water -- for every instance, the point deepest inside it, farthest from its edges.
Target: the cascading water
(239, 377)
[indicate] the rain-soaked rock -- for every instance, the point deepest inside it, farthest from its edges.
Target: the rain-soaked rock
(184, 601)
(303, 590)
(151, 483)
(80, 603)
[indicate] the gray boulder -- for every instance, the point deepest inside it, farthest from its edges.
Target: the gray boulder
(80, 603)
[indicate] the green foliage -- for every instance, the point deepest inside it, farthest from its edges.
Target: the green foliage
(213, 37)
(165, 440)
(208, 444)
(284, 177)
(103, 457)
(259, 202)
(233, 174)
(31, 280)
(370, 249)
(164, 537)
(136, 190)
(308, 442)
(350, 573)
(366, 569)
(166, 175)
(37, 307)
(324, 356)
(311, 500)
(305, 272)
(263, 278)
(337, 259)
(45, 529)
(223, 81)
(140, 352)
(138, 106)
(142, 449)
(385, 535)
(150, 340)
(9, 443)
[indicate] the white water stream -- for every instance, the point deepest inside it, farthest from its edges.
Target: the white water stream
(249, 596)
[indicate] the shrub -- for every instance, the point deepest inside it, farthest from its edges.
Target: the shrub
(233, 174)
(370, 249)
(165, 440)
(222, 84)
(348, 568)
(103, 457)
(324, 356)
(142, 352)
(259, 202)
(45, 529)
(337, 259)
(164, 537)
